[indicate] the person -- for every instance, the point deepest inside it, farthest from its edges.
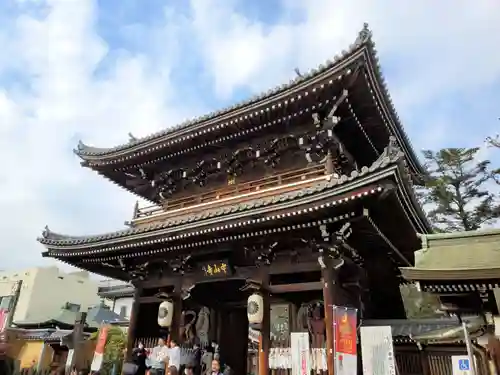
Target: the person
(139, 356)
(216, 367)
(174, 355)
(189, 370)
(172, 370)
(159, 358)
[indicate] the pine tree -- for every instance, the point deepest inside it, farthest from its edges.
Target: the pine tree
(456, 191)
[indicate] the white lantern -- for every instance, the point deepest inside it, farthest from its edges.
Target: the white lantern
(255, 310)
(165, 314)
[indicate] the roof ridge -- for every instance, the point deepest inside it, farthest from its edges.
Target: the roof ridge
(461, 234)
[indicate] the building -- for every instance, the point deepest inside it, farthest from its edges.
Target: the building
(119, 296)
(37, 293)
(462, 269)
(45, 343)
(265, 214)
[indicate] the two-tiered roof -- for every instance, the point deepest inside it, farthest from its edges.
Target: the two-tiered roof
(384, 168)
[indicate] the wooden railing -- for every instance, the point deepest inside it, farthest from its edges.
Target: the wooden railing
(235, 190)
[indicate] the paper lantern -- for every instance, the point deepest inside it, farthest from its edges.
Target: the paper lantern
(255, 310)
(165, 314)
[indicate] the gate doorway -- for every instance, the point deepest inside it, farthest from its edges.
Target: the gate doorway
(228, 319)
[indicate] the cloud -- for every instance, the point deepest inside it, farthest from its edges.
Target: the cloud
(70, 70)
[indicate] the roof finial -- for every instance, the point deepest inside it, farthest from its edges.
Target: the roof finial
(364, 35)
(297, 71)
(136, 210)
(392, 149)
(46, 232)
(131, 137)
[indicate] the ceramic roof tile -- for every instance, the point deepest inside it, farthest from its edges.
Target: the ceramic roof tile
(390, 155)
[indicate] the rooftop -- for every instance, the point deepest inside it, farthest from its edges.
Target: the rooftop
(470, 255)
(254, 107)
(391, 157)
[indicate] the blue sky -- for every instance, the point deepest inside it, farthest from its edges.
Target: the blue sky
(97, 70)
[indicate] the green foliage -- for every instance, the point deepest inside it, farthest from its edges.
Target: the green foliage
(113, 352)
(456, 192)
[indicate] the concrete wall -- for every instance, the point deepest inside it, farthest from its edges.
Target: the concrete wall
(45, 290)
(126, 303)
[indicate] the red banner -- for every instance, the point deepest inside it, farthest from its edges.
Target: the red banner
(101, 340)
(4, 314)
(99, 349)
(345, 330)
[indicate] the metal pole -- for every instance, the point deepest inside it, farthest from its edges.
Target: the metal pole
(468, 344)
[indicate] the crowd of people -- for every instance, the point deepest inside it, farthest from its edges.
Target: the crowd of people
(163, 360)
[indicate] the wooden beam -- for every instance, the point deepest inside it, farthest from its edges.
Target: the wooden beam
(289, 267)
(296, 287)
(278, 268)
(160, 283)
(151, 299)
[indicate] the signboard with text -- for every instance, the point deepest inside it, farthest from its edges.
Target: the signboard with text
(299, 347)
(377, 351)
(218, 268)
(345, 321)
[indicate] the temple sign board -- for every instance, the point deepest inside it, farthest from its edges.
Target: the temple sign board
(216, 269)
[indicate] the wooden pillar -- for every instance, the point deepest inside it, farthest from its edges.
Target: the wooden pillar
(329, 284)
(265, 336)
(177, 318)
(132, 326)
(424, 358)
(212, 330)
(77, 344)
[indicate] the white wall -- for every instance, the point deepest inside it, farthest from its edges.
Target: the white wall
(45, 290)
(125, 302)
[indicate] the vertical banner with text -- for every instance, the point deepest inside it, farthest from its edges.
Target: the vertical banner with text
(377, 351)
(99, 349)
(299, 346)
(345, 321)
(4, 314)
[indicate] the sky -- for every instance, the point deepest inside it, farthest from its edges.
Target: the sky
(97, 70)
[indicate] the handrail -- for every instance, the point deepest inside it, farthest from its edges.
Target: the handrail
(284, 178)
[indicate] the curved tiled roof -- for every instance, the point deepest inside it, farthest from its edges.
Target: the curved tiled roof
(363, 40)
(363, 37)
(390, 156)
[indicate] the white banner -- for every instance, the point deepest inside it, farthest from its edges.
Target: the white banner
(253, 335)
(377, 351)
(301, 361)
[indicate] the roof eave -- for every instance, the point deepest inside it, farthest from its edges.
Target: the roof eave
(414, 274)
(359, 182)
(90, 153)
